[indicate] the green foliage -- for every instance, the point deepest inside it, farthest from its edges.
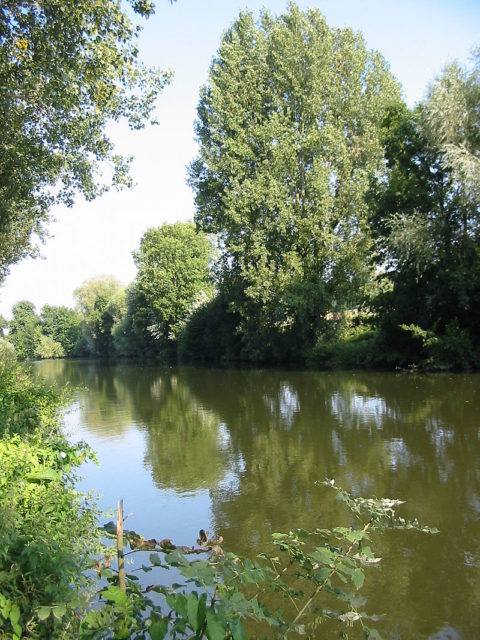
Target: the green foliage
(354, 344)
(47, 347)
(127, 336)
(23, 329)
(47, 528)
(209, 335)
(66, 70)
(56, 333)
(63, 325)
(3, 326)
(453, 123)
(452, 348)
(289, 133)
(101, 301)
(317, 575)
(172, 281)
(425, 219)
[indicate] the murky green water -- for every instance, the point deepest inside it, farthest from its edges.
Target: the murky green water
(238, 452)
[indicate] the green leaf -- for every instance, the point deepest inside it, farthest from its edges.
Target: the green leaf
(238, 632)
(202, 610)
(279, 536)
(356, 536)
(43, 613)
(358, 578)
(110, 528)
(114, 594)
(178, 603)
(192, 608)
(158, 629)
(155, 560)
(14, 614)
(196, 608)
(322, 574)
(59, 611)
(323, 555)
(215, 629)
(48, 475)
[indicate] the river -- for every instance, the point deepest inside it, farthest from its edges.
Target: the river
(238, 452)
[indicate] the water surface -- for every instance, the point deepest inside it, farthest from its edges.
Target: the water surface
(238, 452)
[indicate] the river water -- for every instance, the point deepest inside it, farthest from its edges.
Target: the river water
(238, 453)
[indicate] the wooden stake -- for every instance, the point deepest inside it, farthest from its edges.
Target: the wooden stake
(121, 565)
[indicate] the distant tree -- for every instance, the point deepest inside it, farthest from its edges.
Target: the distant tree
(46, 347)
(23, 332)
(128, 340)
(172, 280)
(3, 326)
(63, 325)
(66, 70)
(289, 134)
(101, 302)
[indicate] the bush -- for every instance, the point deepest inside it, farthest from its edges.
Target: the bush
(451, 348)
(355, 344)
(47, 347)
(47, 529)
(25, 406)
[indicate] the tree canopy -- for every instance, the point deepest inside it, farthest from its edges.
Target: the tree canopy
(427, 224)
(289, 134)
(452, 112)
(23, 328)
(173, 279)
(101, 301)
(66, 69)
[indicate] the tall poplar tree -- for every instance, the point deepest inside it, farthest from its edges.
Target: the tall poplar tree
(288, 127)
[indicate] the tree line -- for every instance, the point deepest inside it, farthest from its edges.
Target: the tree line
(143, 320)
(334, 226)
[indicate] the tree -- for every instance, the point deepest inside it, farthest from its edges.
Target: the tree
(172, 280)
(453, 119)
(63, 325)
(46, 347)
(66, 70)
(426, 219)
(288, 127)
(101, 301)
(23, 332)
(3, 325)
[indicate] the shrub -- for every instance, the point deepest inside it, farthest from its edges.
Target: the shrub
(47, 529)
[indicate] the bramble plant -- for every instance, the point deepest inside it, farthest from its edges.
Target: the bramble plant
(223, 595)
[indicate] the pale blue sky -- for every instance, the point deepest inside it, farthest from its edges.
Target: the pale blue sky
(416, 37)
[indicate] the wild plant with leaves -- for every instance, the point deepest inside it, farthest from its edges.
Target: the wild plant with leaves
(48, 529)
(316, 574)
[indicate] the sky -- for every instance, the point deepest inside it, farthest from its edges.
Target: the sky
(417, 38)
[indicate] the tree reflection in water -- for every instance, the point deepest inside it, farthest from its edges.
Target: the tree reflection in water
(255, 442)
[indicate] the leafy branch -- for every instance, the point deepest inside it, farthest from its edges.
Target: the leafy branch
(221, 593)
